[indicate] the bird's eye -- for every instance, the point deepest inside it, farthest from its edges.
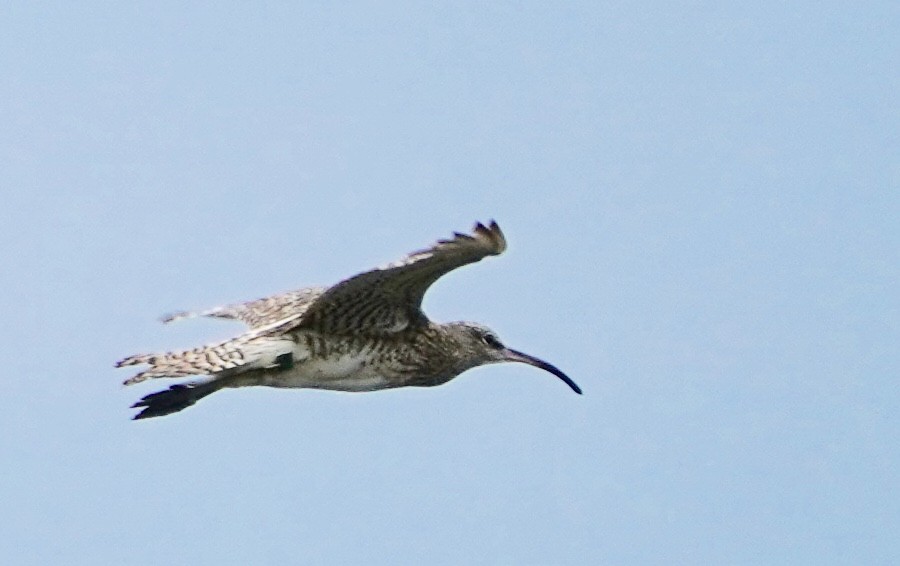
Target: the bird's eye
(491, 341)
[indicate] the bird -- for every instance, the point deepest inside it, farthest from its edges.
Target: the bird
(365, 333)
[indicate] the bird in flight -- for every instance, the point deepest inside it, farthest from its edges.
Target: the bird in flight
(365, 333)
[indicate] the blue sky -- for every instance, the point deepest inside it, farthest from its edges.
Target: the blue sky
(701, 203)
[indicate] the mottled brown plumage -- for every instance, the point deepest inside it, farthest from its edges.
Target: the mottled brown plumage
(260, 312)
(365, 333)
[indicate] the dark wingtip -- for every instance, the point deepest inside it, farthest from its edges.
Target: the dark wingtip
(168, 401)
(492, 234)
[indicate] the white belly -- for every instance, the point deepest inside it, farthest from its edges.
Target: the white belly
(347, 372)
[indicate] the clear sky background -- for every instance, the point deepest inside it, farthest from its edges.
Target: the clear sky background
(701, 202)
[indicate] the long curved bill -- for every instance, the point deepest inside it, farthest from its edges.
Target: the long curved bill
(516, 356)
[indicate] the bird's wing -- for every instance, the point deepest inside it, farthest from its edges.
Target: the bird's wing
(388, 299)
(261, 312)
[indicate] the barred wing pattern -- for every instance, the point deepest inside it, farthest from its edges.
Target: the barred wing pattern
(261, 312)
(388, 299)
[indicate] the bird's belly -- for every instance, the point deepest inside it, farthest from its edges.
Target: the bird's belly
(348, 372)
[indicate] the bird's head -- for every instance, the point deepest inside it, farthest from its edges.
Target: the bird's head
(480, 346)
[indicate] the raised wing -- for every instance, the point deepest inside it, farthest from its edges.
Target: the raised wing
(261, 312)
(388, 299)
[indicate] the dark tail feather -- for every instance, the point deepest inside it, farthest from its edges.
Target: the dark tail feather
(173, 399)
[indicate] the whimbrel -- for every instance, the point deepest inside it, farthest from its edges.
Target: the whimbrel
(365, 333)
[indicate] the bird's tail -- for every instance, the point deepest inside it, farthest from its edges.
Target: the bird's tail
(232, 356)
(175, 398)
(228, 364)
